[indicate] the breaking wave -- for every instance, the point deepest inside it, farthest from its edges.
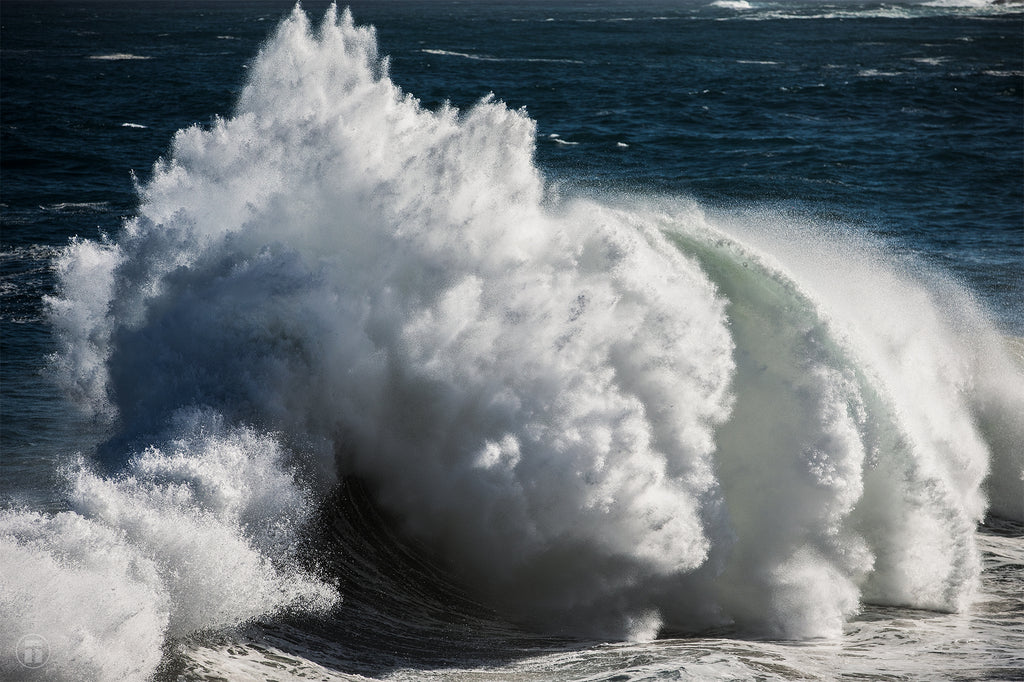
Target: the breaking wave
(605, 416)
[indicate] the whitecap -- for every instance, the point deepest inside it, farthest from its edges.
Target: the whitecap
(76, 206)
(118, 56)
(732, 4)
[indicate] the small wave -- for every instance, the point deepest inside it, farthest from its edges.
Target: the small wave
(489, 58)
(602, 20)
(118, 57)
(133, 125)
(886, 13)
(939, 7)
(876, 73)
(973, 4)
(464, 55)
(732, 4)
(757, 61)
(26, 273)
(30, 252)
(556, 138)
(76, 206)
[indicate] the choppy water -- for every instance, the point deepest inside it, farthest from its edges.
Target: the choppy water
(568, 342)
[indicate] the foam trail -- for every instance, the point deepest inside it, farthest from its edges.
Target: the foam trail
(609, 417)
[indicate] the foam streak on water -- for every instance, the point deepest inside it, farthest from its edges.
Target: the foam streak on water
(608, 417)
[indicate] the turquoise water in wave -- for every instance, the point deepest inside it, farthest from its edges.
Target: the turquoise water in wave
(528, 340)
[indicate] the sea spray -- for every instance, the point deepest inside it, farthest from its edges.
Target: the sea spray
(607, 417)
(200, 532)
(97, 599)
(336, 262)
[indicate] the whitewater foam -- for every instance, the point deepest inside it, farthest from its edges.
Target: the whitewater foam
(609, 416)
(198, 534)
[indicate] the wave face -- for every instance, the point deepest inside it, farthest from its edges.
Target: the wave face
(609, 416)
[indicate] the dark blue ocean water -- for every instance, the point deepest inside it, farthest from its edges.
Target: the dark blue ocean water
(903, 121)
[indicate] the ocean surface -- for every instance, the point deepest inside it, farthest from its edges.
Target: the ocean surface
(499, 340)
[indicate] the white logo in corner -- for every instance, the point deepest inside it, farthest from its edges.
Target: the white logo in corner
(33, 651)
